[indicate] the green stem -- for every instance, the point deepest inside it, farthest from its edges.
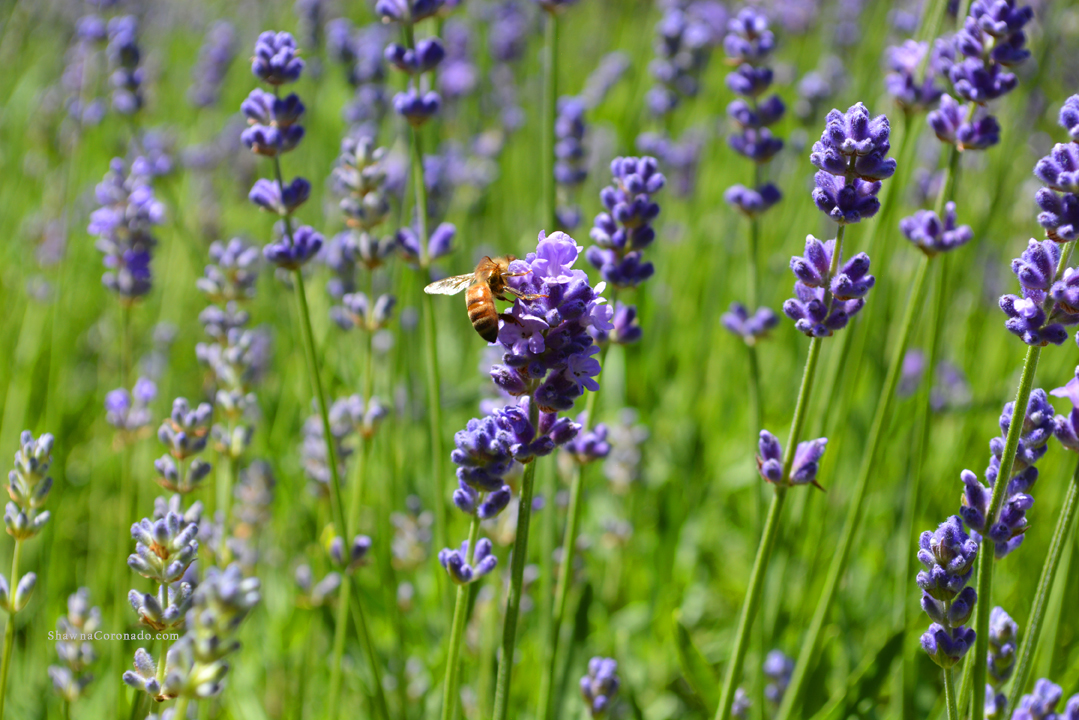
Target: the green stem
(550, 101)
(565, 574)
(518, 559)
(9, 632)
(1025, 662)
(360, 618)
(179, 710)
(986, 556)
(344, 595)
(771, 526)
(457, 634)
(949, 695)
(854, 512)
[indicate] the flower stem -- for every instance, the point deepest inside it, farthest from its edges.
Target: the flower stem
(986, 557)
(550, 102)
(179, 710)
(1025, 660)
(771, 529)
(565, 574)
(9, 632)
(460, 616)
(854, 512)
(344, 595)
(949, 695)
(517, 568)
(360, 618)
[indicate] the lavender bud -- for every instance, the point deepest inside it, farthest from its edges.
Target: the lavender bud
(600, 685)
(275, 61)
(457, 567)
(931, 235)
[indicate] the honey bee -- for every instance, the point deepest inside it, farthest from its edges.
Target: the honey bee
(485, 284)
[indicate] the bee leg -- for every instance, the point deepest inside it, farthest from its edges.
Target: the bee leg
(523, 296)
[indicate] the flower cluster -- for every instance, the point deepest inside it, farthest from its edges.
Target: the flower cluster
(824, 302)
(196, 664)
(359, 178)
(89, 33)
(804, 467)
(778, 668)
(1003, 641)
(913, 76)
(948, 556)
(274, 130)
(1046, 307)
(589, 445)
(684, 41)
(463, 569)
(124, 56)
(348, 559)
(1040, 704)
(420, 58)
(932, 235)
(600, 685)
(1066, 427)
(165, 548)
(1059, 170)
(975, 59)
(1006, 531)
(215, 57)
(751, 328)
(571, 167)
(625, 229)
(359, 52)
(74, 648)
(129, 412)
(852, 159)
(124, 225)
(184, 434)
(313, 450)
(28, 487)
(749, 44)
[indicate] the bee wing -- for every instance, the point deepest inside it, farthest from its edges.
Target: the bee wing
(450, 285)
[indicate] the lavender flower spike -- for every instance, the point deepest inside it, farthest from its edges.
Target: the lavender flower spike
(457, 567)
(600, 685)
(852, 157)
(824, 304)
(1032, 317)
(1040, 704)
(804, 467)
(1003, 638)
(948, 556)
(1059, 200)
(751, 328)
(1066, 427)
(932, 235)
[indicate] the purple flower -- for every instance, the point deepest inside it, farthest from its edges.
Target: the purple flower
(932, 236)
(275, 61)
(427, 56)
(456, 562)
(1033, 317)
(822, 303)
(1069, 117)
(269, 195)
(273, 123)
(129, 411)
(1066, 427)
(1040, 704)
(947, 648)
(1059, 215)
(911, 94)
(758, 145)
(748, 38)
(215, 57)
(571, 167)
(124, 225)
(854, 145)
(415, 108)
(439, 244)
(751, 328)
(1003, 636)
(600, 685)
(753, 203)
(949, 122)
(804, 467)
(295, 252)
(590, 445)
(407, 11)
(1059, 170)
(948, 556)
(846, 203)
(625, 229)
(778, 668)
(683, 45)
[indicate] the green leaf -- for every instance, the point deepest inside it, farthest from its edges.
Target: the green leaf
(866, 680)
(699, 673)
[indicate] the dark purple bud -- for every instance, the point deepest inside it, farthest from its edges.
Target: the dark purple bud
(276, 60)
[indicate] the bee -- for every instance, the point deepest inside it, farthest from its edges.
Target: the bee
(486, 283)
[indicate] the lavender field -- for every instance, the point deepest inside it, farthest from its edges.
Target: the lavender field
(539, 359)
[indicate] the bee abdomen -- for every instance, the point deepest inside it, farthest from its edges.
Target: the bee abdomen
(482, 312)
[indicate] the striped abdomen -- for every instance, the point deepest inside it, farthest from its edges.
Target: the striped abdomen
(482, 311)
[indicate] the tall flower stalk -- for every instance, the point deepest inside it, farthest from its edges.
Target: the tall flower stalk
(28, 485)
(1048, 304)
(852, 160)
(622, 233)
(418, 59)
(274, 129)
